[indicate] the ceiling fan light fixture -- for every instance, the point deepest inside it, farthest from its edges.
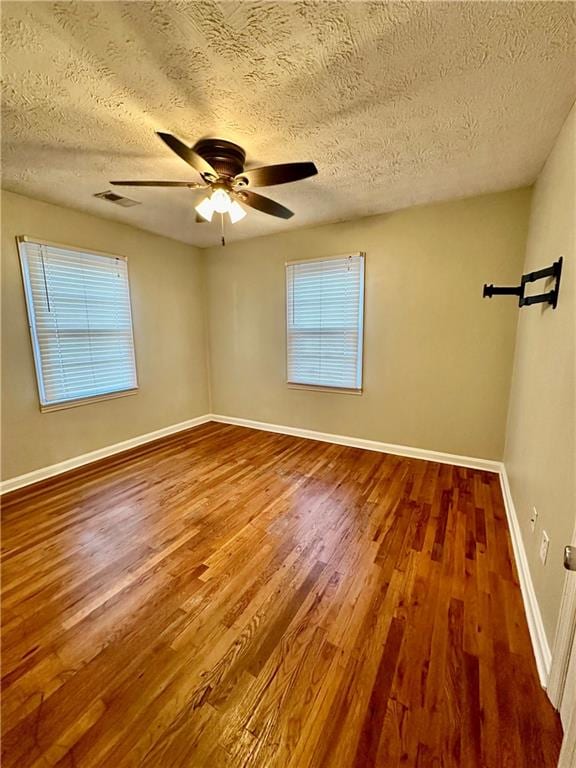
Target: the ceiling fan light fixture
(236, 212)
(206, 208)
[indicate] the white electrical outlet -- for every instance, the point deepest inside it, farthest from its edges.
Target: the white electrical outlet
(544, 541)
(533, 519)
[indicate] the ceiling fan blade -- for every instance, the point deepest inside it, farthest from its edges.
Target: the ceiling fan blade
(263, 204)
(189, 184)
(188, 155)
(270, 175)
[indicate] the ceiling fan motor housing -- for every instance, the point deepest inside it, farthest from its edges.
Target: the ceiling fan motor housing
(225, 157)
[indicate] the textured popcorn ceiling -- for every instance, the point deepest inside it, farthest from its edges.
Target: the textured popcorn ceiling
(397, 103)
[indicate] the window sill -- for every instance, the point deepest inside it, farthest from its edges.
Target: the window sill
(87, 400)
(318, 388)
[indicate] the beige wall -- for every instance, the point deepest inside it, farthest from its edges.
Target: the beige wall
(438, 357)
(540, 453)
(168, 312)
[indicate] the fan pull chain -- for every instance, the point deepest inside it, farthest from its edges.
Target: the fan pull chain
(222, 224)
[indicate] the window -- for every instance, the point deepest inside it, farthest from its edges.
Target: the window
(325, 313)
(80, 322)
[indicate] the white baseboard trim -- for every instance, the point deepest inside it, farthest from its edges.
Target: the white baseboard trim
(369, 445)
(44, 473)
(540, 644)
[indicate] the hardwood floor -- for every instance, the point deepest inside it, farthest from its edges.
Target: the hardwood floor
(229, 597)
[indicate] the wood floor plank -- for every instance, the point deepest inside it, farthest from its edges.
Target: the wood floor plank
(230, 598)
(367, 749)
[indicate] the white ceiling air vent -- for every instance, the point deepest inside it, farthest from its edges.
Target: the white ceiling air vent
(112, 197)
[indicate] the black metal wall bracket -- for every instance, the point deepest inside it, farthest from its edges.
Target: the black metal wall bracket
(550, 297)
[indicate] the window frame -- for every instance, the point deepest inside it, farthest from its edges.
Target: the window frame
(45, 407)
(362, 305)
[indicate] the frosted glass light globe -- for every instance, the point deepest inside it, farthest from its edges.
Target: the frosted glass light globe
(236, 212)
(205, 209)
(220, 201)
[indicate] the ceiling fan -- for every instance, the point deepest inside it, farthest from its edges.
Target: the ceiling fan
(220, 163)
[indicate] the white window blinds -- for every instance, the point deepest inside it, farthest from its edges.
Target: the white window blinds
(80, 322)
(325, 312)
